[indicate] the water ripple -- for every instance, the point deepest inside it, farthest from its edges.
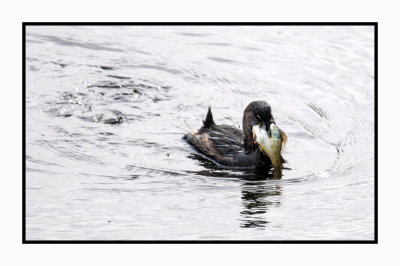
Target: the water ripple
(71, 42)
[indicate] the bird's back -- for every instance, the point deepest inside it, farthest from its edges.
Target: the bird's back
(221, 143)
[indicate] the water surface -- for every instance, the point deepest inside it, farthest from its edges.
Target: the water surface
(107, 107)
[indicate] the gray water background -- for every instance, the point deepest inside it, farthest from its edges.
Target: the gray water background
(107, 107)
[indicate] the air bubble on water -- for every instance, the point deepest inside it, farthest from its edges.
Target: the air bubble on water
(97, 117)
(322, 174)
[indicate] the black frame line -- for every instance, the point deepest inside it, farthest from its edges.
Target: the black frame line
(200, 23)
(23, 135)
(374, 24)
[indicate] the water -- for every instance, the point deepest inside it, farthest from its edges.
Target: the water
(107, 107)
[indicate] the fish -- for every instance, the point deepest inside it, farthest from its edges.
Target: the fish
(271, 143)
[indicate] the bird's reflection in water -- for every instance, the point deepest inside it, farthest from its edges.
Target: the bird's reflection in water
(258, 197)
(260, 190)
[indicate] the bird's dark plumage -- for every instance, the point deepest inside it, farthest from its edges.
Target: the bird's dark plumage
(229, 146)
